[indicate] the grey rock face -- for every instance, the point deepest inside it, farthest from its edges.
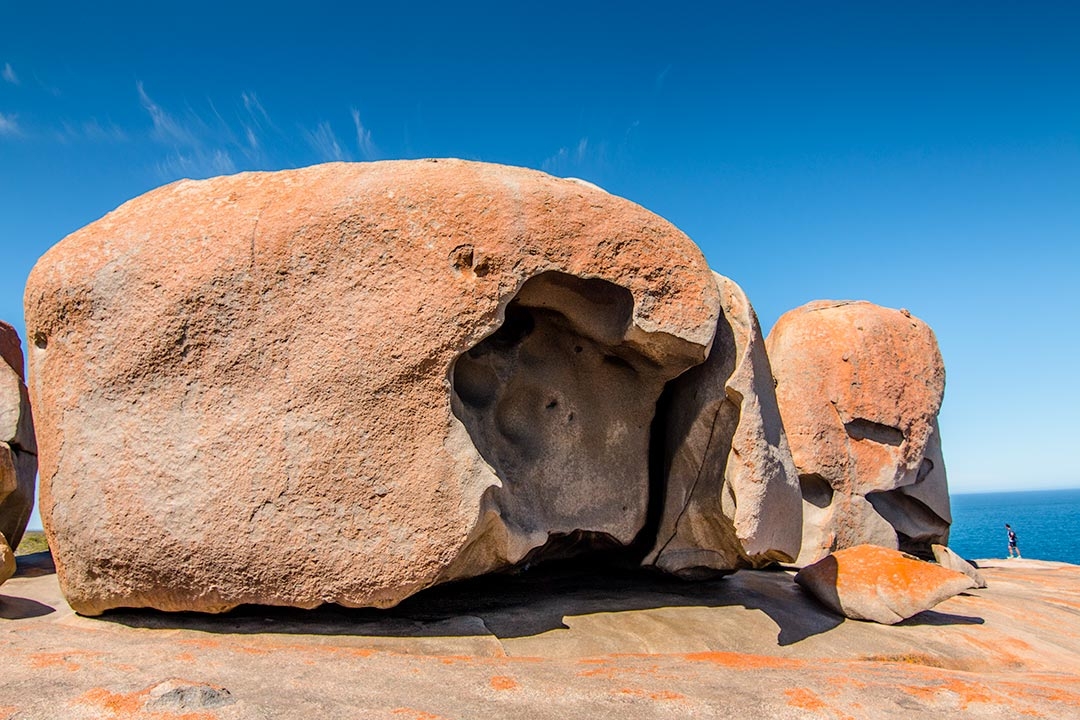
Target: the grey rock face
(946, 558)
(731, 494)
(18, 450)
(182, 696)
(559, 401)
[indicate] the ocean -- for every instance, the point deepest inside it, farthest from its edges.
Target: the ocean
(1047, 524)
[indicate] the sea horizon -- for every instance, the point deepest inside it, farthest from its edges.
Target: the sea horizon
(1047, 524)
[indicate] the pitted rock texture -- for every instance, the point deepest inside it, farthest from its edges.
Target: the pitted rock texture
(731, 491)
(18, 450)
(349, 382)
(859, 388)
(869, 582)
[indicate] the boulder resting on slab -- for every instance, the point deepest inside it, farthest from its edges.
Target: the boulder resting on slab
(946, 558)
(869, 582)
(726, 458)
(18, 450)
(349, 382)
(859, 388)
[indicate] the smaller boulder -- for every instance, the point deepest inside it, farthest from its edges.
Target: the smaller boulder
(946, 558)
(7, 561)
(867, 582)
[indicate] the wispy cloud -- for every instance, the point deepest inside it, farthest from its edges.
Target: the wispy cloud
(324, 142)
(583, 156)
(368, 151)
(9, 126)
(92, 130)
(197, 147)
(166, 127)
(582, 147)
(255, 109)
(9, 74)
(196, 163)
(662, 77)
(214, 137)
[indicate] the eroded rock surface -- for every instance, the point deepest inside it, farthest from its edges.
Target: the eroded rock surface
(349, 382)
(545, 645)
(869, 582)
(731, 491)
(859, 388)
(946, 558)
(18, 451)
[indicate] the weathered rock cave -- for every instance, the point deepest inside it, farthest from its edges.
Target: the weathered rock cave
(633, 447)
(560, 402)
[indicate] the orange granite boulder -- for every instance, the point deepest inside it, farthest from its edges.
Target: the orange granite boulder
(349, 382)
(868, 582)
(727, 462)
(18, 450)
(859, 388)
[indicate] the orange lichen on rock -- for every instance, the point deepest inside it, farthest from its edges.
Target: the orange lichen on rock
(911, 658)
(61, 659)
(503, 682)
(455, 659)
(610, 672)
(867, 582)
(1042, 693)
(659, 695)
(743, 661)
(966, 692)
(132, 706)
(119, 703)
(805, 699)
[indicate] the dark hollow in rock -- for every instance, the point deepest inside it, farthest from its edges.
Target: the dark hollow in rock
(862, 429)
(917, 526)
(559, 402)
(816, 490)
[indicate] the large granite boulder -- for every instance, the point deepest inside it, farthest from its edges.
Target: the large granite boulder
(349, 382)
(18, 451)
(726, 459)
(859, 388)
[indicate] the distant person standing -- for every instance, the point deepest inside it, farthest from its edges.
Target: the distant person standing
(1012, 541)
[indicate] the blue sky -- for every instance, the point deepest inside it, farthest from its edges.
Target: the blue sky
(919, 155)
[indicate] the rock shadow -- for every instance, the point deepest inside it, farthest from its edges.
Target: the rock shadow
(35, 564)
(17, 608)
(522, 604)
(933, 617)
